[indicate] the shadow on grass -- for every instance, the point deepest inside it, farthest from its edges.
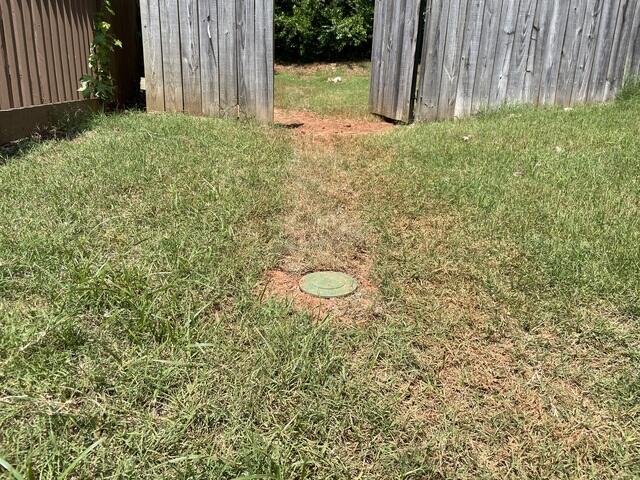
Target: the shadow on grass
(66, 128)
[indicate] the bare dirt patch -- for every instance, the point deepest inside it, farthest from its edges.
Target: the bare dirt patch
(354, 309)
(306, 124)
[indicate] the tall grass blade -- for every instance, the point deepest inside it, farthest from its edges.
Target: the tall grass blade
(77, 461)
(7, 466)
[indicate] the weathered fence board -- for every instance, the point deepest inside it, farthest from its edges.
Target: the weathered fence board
(210, 57)
(477, 54)
(396, 30)
(615, 74)
(452, 52)
(521, 49)
(502, 60)
(604, 46)
(469, 59)
(435, 35)
(190, 48)
(570, 52)
(631, 68)
(488, 42)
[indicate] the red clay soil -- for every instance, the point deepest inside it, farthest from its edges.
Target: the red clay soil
(353, 309)
(309, 124)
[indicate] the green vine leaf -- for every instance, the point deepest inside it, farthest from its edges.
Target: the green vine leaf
(100, 83)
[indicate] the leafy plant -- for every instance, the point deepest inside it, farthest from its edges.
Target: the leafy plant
(100, 83)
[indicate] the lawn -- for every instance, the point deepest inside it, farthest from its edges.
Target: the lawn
(136, 340)
(337, 90)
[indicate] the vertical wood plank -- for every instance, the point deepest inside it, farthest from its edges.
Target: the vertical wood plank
(469, 59)
(190, 56)
(21, 64)
(66, 50)
(392, 53)
(152, 51)
(171, 55)
(5, 79)
(72, 50)
(431, 68)
(397, 32)
(504, 51)
(622, 35)
(405, 95)
(83, 33)
(551, 64)
(376, 53)
(606, 33)
(41, 48)
(539, 41)
(247, 56)
(521, 49)
(228, 58)
(32, 61)
(452, 52)
(586, 55)
(633, 46)
(570, 52)
(487, 55)
(264, 60)
(209, 57)
(386, 32)
(82, 45)
(48, 46)
(55, 49)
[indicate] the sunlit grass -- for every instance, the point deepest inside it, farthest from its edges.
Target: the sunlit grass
(134, 342)
(313, 88)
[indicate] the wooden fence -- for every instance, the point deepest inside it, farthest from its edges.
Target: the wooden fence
(209, 57)
(395, 40)
(480, 54)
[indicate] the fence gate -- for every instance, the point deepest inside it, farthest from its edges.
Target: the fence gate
(209, 57)
(396, 30)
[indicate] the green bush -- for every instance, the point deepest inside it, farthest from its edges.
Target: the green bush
(323, 29)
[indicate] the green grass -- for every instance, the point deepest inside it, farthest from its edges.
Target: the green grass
(135, 344)
(306, 88)
(509, 250)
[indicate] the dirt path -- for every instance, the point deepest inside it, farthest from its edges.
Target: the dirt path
(311, 125)
(323, 226)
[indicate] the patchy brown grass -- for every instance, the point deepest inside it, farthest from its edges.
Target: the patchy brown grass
(323, 225)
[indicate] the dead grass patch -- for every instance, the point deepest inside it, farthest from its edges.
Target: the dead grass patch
(323, 225)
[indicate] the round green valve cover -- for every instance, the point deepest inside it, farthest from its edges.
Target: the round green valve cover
(328, 284)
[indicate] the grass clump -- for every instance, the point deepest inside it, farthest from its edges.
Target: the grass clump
(630, 91)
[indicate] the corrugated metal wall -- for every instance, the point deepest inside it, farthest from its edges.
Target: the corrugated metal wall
(44, 50)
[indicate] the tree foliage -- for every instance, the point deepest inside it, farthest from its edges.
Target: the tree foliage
(323, 29)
